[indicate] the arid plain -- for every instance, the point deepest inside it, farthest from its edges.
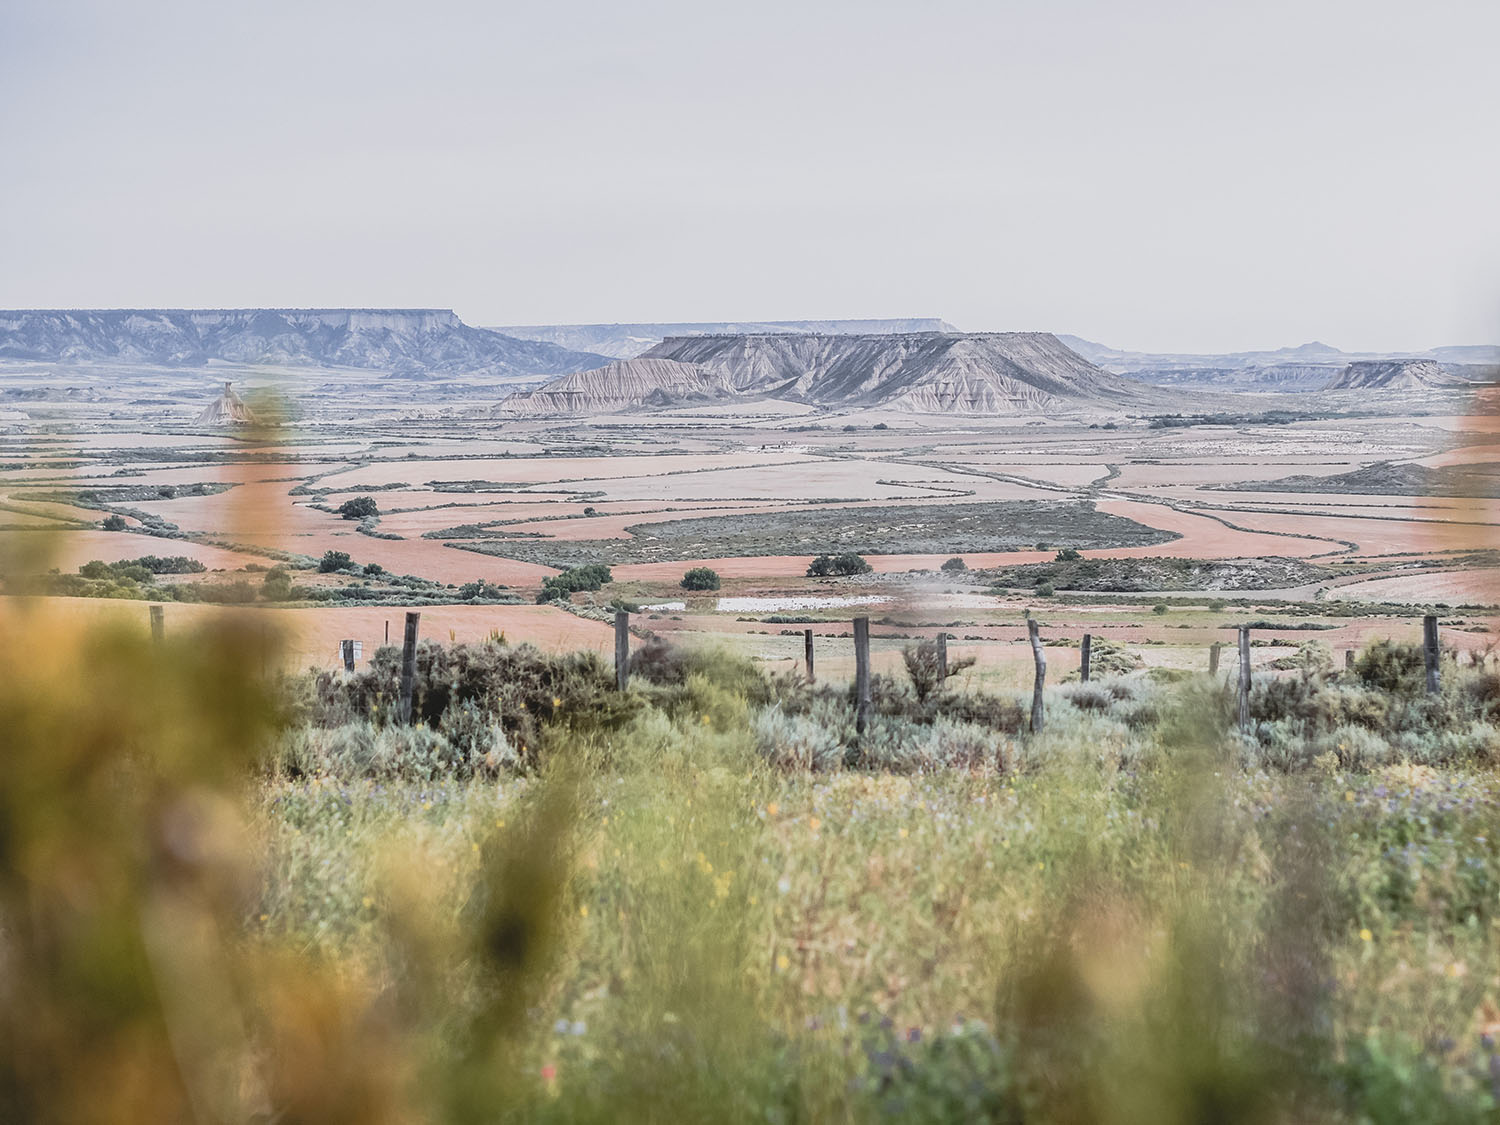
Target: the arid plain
(466, 494)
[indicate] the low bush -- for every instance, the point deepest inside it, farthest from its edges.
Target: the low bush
(834, 566)
(334, 561)
(359, 508)
(557, 587)
(700, 578)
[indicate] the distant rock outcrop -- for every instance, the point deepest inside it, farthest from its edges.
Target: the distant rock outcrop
(227, 410)
(1394, 374)
(404, 341)
(620, 386)
(999, 373)
(626, 341)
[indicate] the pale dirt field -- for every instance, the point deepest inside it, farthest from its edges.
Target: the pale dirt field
(310, 637)
(549, 470)
(1374, 536)
(1464, 587)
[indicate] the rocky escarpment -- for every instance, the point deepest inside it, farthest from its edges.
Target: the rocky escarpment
(622, 385)
(227, 410)
(625, 341)
(1000, 373)
(411, 341)
(1395, 374)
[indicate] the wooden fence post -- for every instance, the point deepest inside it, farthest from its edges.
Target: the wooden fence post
(1213, 658)
(622, 649)
(1084, 652)
(346, 652)
(408, 667)
(1245, 679)
(387, 630)
(159, 623)
(861, 674)
(1348, 660)
(1038, 717)
(1431, 653)
(807, 652)
(942, 655)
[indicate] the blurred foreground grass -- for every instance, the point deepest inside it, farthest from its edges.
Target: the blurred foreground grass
(652, 923)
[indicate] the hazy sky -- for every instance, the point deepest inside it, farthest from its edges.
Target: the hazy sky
(1168, 175)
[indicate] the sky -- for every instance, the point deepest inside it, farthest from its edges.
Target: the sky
(1163, 175)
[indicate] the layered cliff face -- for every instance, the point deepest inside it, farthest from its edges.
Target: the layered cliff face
(619, 386)
(396, 340)
(1395, 374)
(928, 372)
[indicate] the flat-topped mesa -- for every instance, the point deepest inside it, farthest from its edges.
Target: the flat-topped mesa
(987, 373)
(977, 372)
(1395, 374)
(400, 341)
(626, 341)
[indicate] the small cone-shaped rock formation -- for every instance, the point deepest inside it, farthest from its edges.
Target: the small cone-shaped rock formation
(226, 410)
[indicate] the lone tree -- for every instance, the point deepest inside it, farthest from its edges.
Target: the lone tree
(334, 561)
(115, 523)
(359, 508)
(832, 566)
(925, 668)
(700, 578)
(955, 563)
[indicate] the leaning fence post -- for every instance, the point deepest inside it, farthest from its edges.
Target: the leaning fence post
(346, 652)
(1348, 660)
(1213, 658)
(1084, 651)
(622, 649)
(408, 666)
(1038, 717)
(861, 674)
(1245, 678)
(807, 652)
(159, 623)
(942, 657)
(1431, 653)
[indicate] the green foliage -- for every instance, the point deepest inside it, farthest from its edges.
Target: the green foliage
(1044, 590)
(1160, 609)
(359, 508)
(334, 561)
(115, 522)
(1068, 555)
(1392, 666)
(150, 564)
(826, 566)
(955, 564)
(557, 587)
(700, 578)
(924, 668)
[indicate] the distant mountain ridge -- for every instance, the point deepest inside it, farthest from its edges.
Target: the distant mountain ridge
(993, 373)
(1307, 367)
(401, 341)
(626, 341)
